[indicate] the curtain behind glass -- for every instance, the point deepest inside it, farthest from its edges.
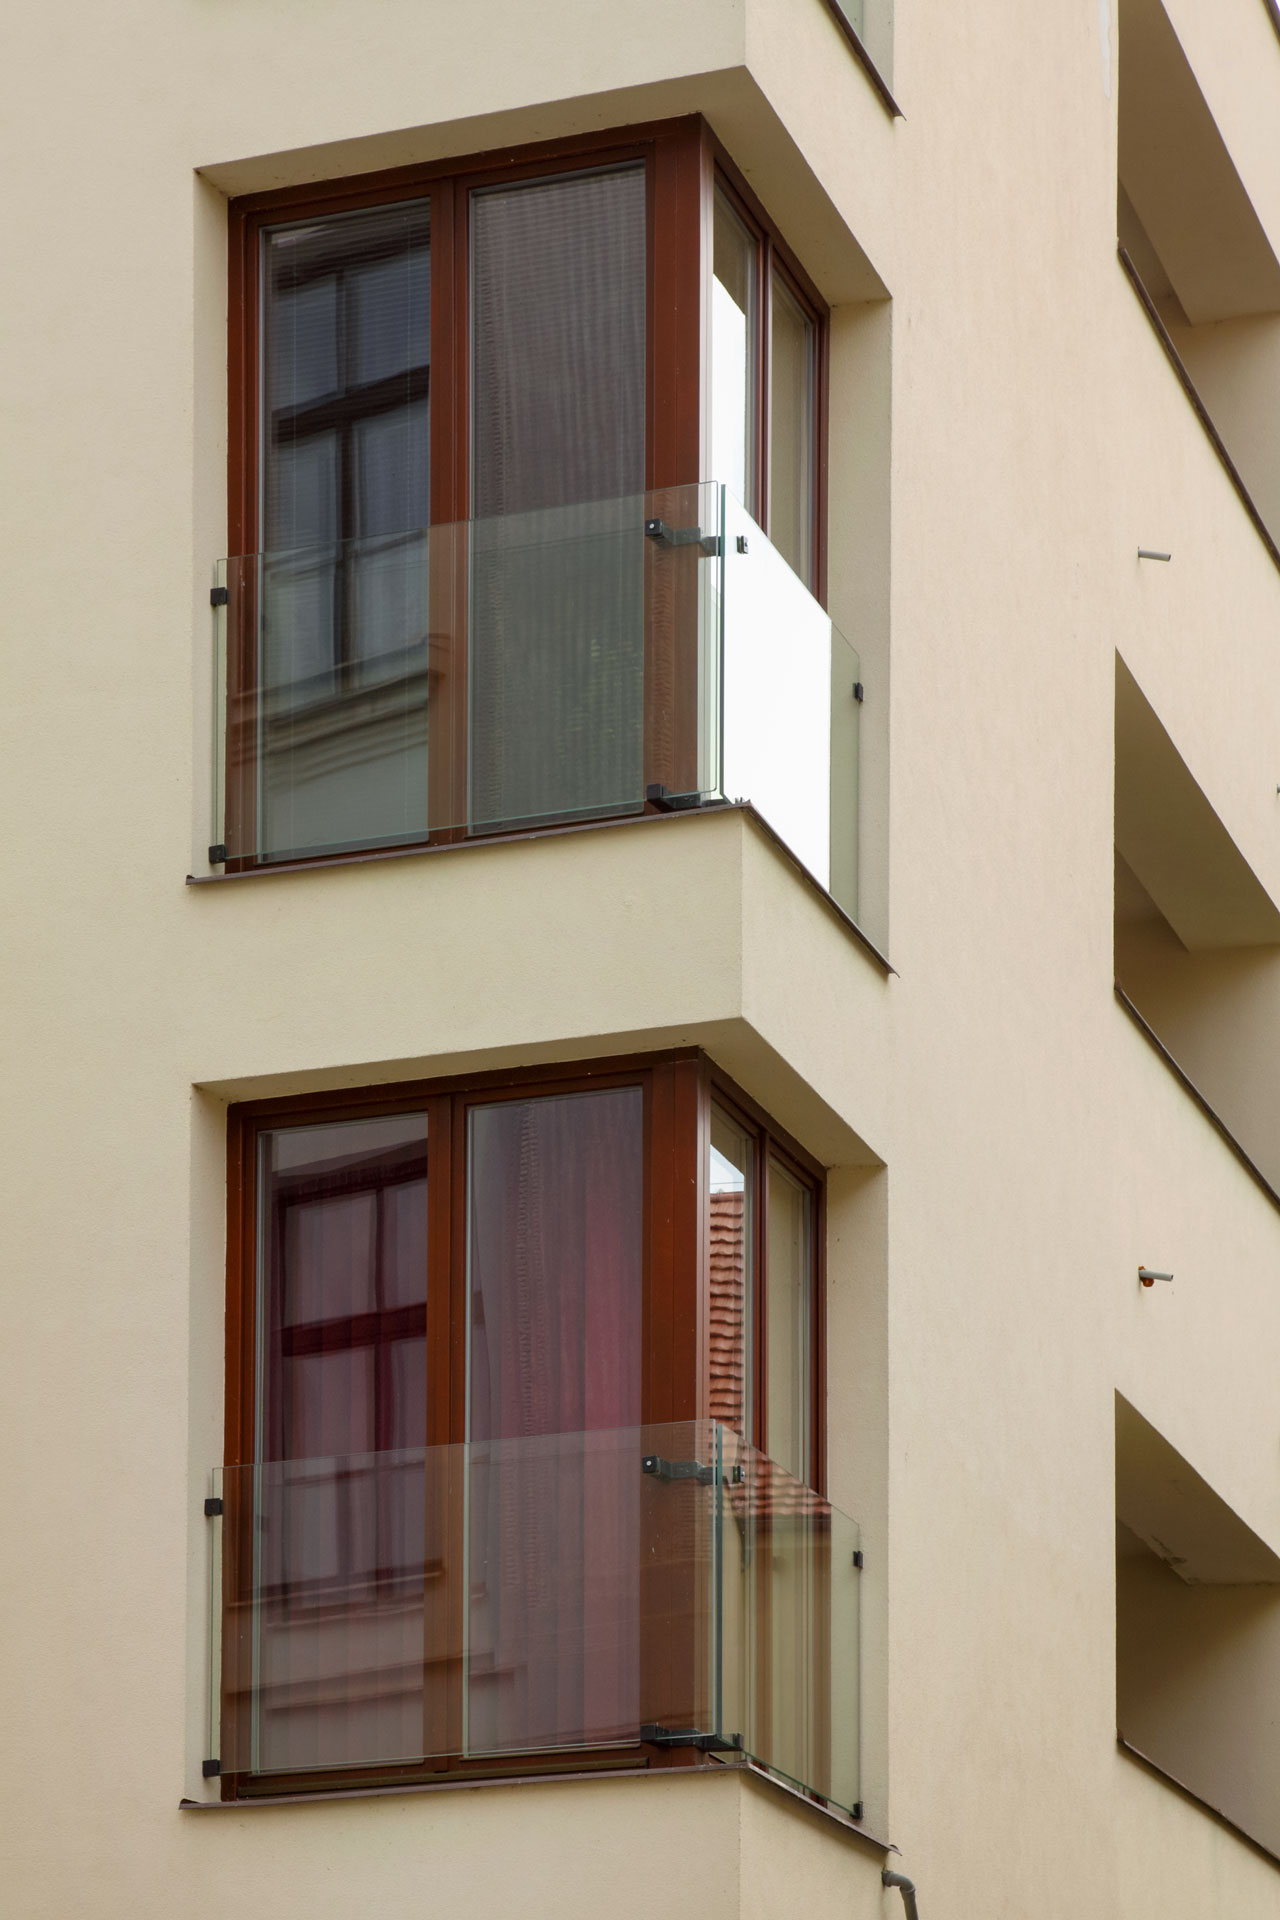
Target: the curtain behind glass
(557, 474)
(555, 1277)
(344, 481)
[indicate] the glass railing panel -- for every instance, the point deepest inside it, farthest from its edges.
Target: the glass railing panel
(512, 672)
(790, 717)
(462, 1603)
(339, 1597)
(555, 660)
(591, 1583)
(790, 1572)
(327, 661)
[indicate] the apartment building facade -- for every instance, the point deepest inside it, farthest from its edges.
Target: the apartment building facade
(642, 766)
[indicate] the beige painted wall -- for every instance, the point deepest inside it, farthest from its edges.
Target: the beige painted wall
(1007, 1148)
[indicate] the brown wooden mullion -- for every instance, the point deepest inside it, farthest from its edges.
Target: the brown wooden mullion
(355, 1330)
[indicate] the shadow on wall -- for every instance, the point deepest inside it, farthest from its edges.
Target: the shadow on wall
(1197, 1634)
(1193, 238)
(1197, 936)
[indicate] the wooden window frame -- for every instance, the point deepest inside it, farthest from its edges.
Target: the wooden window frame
(679, 1087)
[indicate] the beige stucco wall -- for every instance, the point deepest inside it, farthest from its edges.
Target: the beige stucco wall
(1007, 1148)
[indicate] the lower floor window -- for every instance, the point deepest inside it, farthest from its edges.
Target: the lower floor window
(513, 1363)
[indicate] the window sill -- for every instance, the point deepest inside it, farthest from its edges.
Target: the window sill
(594, 1776)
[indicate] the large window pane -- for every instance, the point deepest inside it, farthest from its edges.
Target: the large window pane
(788, 1317)
(342, 1287)
(344, 473)
(557, 341)
(555, 1323)
(346, 342)
(335, 1559)
(791, 379)
(734, 350)
(554, 1251)
(556, 643)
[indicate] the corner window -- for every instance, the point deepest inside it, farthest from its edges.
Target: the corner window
(497, 1352)
(479, 438)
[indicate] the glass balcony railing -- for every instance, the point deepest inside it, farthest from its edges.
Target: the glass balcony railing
(454, 1608)
(574, 663)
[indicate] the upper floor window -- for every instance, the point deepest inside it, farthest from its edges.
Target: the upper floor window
(480, 1340)
(478, 418)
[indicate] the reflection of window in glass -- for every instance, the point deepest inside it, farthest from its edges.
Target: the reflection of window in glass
(342, 1288)
(557, 313)
(791, 409)
(732, 1228)
(346, 350)
(788, 1311)
(733, 355)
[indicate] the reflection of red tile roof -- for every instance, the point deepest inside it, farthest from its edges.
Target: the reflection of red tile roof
(728, 1308)
(767, 1491)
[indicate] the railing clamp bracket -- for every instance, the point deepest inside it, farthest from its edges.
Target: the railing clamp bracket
(857, 1557)
(653, 1463)
(211, 1769)
(213, 1508)
(218, 854)
(658, 1736)
(668, 802)
(857, 690)
(218, 596)
(683, 537)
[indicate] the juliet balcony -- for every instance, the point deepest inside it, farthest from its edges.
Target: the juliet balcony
(628, 1598)
(573, 664)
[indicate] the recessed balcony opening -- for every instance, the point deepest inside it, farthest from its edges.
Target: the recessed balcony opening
(1196, 934)
(1193, 240)
(1197, 1634)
